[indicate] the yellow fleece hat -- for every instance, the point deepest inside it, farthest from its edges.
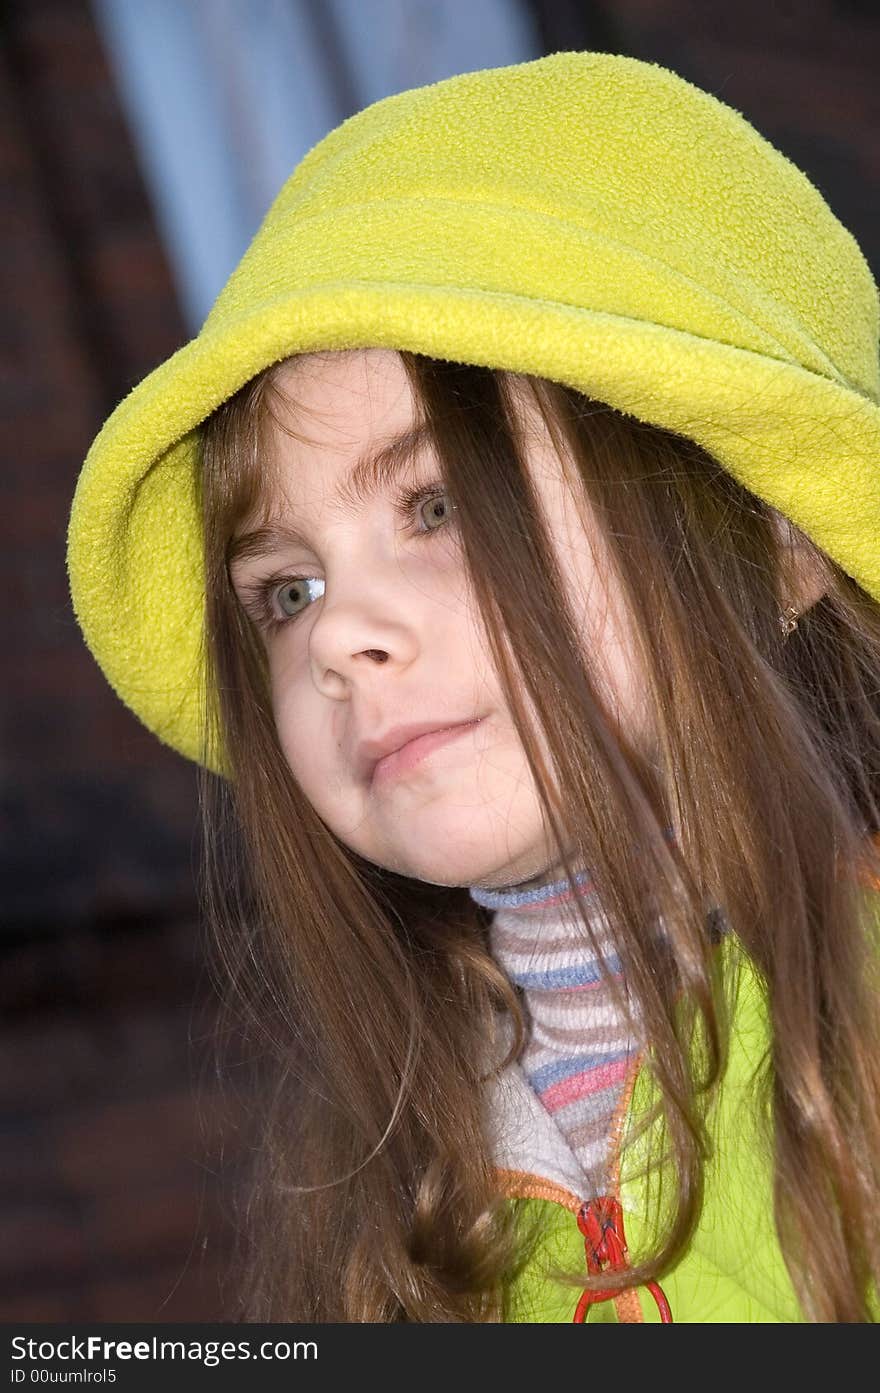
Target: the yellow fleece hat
(586, 217)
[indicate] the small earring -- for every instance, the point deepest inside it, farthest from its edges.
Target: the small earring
(788, 619)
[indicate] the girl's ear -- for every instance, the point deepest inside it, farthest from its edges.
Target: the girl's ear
(804, 578)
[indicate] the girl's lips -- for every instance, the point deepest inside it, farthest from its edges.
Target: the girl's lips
(409, 755)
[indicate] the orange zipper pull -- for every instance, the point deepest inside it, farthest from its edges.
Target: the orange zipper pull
(601, 1223)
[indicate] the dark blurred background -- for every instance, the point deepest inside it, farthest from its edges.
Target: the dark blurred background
(141, 141)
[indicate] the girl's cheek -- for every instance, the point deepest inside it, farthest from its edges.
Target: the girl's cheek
(288, 670)
(442, 572)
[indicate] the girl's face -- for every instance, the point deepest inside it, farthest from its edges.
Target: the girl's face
(376, 628)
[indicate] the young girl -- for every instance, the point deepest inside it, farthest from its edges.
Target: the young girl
(504, 550)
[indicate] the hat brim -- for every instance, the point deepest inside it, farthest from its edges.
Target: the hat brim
(808, 445)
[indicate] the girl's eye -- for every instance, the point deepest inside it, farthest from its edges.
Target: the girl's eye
(276, 601)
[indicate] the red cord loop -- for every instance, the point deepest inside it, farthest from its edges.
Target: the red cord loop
(601, 1223)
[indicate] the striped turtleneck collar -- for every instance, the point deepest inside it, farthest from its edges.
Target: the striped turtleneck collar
(519, 896)
(516, 897)
(580, 1039)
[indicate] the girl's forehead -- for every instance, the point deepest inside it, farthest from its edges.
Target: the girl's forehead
(352, 389)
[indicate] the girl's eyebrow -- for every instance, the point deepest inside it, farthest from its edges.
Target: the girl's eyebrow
(375, 470)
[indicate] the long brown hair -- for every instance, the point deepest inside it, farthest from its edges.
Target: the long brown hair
(370, 997)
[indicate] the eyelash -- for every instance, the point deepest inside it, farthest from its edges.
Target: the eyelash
(257, 598)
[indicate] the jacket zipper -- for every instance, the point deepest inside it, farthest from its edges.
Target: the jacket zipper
(600, 1221)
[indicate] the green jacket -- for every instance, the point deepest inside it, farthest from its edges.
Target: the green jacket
(733, 1269)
